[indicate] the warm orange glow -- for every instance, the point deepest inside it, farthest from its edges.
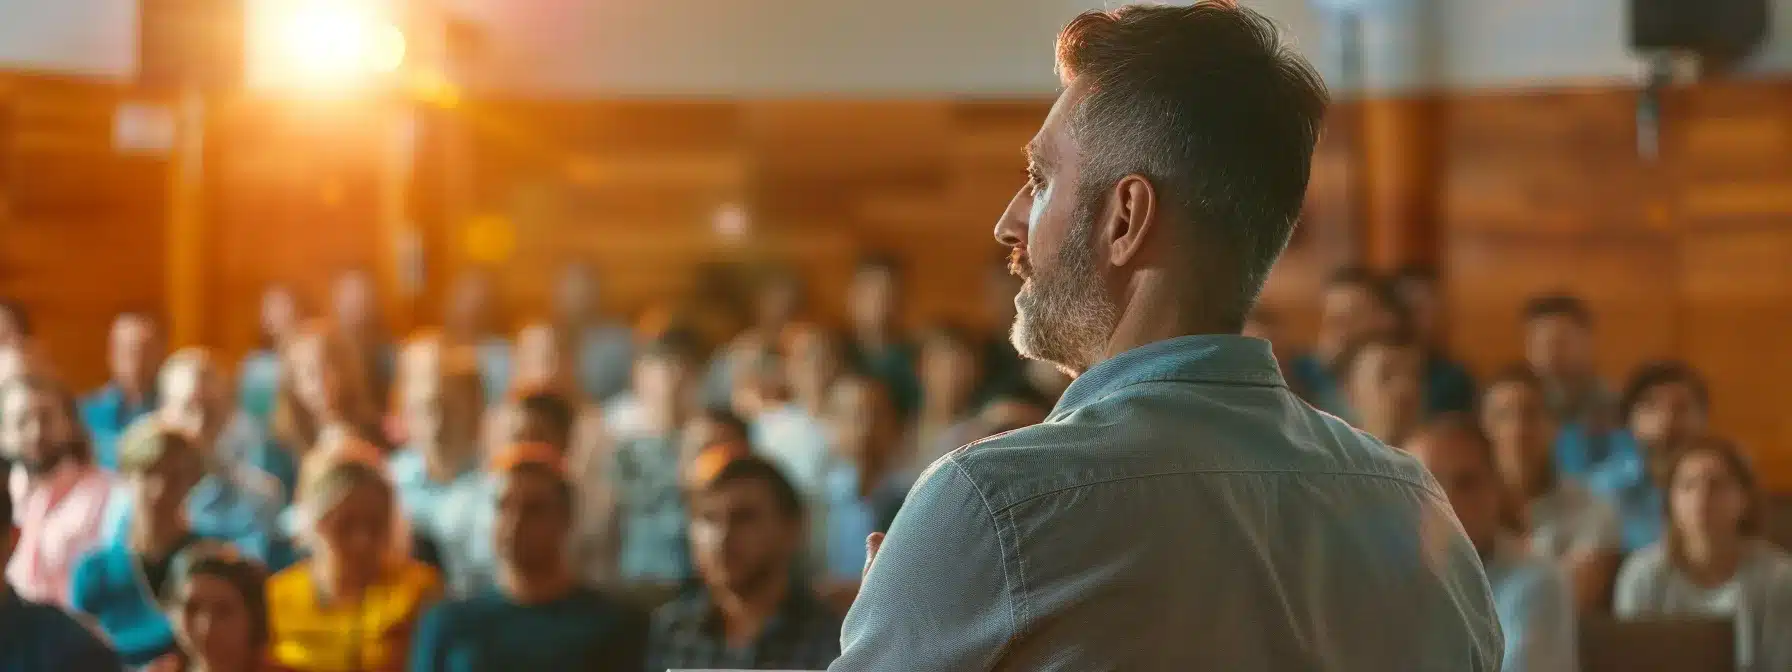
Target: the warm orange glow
(329, 44)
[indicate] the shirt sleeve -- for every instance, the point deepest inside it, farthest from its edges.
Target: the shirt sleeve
(937, 595)
(1630, 594)
(1545, 640)
(1604, 530)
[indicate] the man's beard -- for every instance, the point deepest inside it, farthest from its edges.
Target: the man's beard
(1063, 315)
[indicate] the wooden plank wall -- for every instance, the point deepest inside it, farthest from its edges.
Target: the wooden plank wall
(1687, 256)
(80, 224)
(635, 188)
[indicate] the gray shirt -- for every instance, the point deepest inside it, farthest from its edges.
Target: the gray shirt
(1758, 597)
(1179, 509)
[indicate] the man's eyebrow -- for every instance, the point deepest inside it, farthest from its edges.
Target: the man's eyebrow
(1035, 156)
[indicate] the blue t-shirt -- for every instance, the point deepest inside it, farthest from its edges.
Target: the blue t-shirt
(41, 638)
(107, 413)
(584, 631)
(106, 585)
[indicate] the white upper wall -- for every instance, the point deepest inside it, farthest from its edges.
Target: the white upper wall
(880, 47)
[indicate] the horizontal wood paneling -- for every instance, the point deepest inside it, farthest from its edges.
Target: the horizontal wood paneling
(80, 224)
(1684, 256)
(1688, 255)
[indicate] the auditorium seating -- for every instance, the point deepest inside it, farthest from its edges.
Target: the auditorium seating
(1607, 645)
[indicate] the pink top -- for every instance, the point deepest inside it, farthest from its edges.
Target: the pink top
(59, 521)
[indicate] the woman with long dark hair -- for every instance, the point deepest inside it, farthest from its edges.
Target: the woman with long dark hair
(1712, 561)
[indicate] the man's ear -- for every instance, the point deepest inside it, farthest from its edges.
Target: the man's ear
(1131, 212)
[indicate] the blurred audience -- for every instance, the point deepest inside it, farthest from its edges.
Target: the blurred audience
(122, 586)
(133, 351)
(352, 605)
(603, 349)
(41, 637)
(1448, 385)
(644, 469)
(324, 398)
(1665, 406)
(1564, 521)
(1558, 345)
(541, 617)
(1712, 562)
(749, 611)
(59, 496)
(867, 482)
(1354, 306)
(258, 377)
(232, 500)
(15, 324)
(790, 429)
(217, 601)
(1381, 379)
(1531, 596)
(441, 400)
(356, 304)
(949, 374)
(877, 346)
(776, 303)
(472, 318)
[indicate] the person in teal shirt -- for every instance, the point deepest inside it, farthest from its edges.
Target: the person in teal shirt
(540, 617)
(134, 350)
(121, 585)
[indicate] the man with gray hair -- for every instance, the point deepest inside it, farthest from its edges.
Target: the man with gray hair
(1180, 508)
(233, 501)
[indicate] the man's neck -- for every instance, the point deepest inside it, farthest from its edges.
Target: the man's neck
(745, 614)
(1154, 311)
(537, 586)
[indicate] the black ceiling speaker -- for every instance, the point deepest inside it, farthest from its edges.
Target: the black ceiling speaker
(1720, 32)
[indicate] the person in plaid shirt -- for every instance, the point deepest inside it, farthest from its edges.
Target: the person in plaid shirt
(749, 611)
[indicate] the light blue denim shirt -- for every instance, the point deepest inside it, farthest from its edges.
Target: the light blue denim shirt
(1180, 509)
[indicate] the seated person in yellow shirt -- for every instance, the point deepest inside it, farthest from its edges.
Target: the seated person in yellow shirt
(353, 605)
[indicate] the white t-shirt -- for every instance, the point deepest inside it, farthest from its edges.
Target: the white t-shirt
(1758, 597)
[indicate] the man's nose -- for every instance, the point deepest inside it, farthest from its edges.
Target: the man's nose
(1011, 228)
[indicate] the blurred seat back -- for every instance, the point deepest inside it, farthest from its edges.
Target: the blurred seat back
(1665, 645)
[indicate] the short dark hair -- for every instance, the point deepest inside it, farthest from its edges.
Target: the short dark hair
(11, 309)
(676, 345)
(726, 418)
(1651, 375)
(1208, 104)
(223, 561)
(756, 468)
(1558, 305)
(553, 408)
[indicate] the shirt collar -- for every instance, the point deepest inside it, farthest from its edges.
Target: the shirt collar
(1211, 358)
